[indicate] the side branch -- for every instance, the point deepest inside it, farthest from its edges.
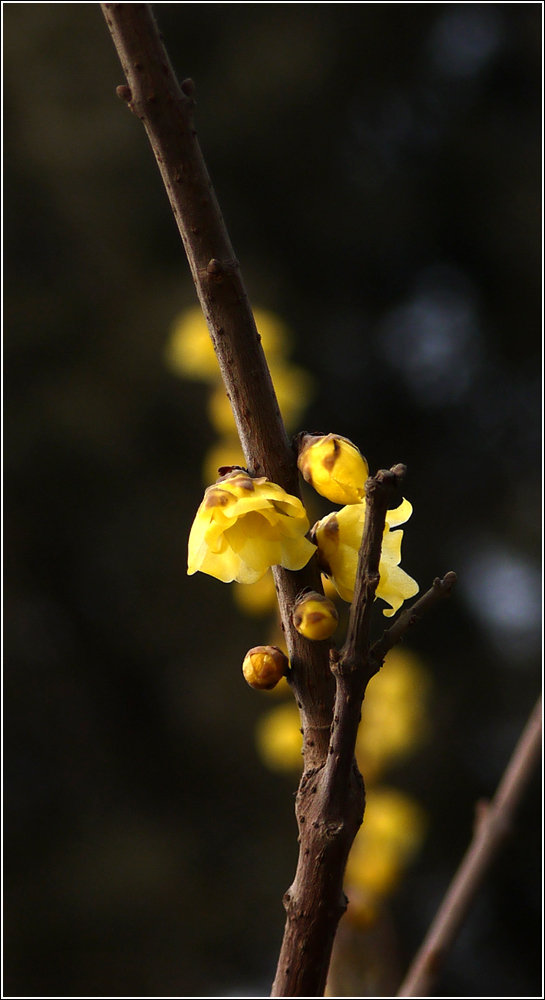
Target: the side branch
(440, 589)
(380, 490)
(494, 823)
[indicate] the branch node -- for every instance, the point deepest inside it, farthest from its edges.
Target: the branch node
(124, 93)
(214, 268)
(188, 88)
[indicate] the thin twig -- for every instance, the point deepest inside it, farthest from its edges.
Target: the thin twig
(440, 589)
(379, 494)
(494, 823)
(352, 666)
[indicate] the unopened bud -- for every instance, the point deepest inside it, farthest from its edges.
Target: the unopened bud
(315, 616)
(264, 666)
(334, 467)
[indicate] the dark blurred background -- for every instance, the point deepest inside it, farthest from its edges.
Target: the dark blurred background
(378, 166)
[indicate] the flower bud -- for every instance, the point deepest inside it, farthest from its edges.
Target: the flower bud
(315, 616)
(334, 467)
(264, 666)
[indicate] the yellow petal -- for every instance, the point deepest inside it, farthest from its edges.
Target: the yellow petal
(338, 537)
(396, 587)
(399, 515)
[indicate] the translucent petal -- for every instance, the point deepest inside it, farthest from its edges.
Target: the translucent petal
(391, 547)
(399, 515)
(394, 587)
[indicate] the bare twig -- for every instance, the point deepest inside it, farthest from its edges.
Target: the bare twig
(494, 823)
(391, 636)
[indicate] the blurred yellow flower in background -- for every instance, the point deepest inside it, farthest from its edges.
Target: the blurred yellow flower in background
(393, 830)
(189, 351)
(257, 598)
(227, 451)
(394, 718)
(338, 537)
(293, 387)
(278, 737)
(244, 526)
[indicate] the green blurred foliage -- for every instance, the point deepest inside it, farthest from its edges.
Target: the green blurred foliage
(378, 166)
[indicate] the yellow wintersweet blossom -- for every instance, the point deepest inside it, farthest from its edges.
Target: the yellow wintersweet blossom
(244, 526)
(338, 537)
(189, 351)
(393, 829)
(394, 719)
(334, 467)
(278, 737)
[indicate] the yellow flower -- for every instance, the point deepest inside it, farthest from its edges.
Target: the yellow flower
(189, 351)
(264, 666)
(334, 467)
(315, 616)
(338, 537)
(244, 526)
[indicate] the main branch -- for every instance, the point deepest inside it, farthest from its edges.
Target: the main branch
(166, 109)
(330, 799)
